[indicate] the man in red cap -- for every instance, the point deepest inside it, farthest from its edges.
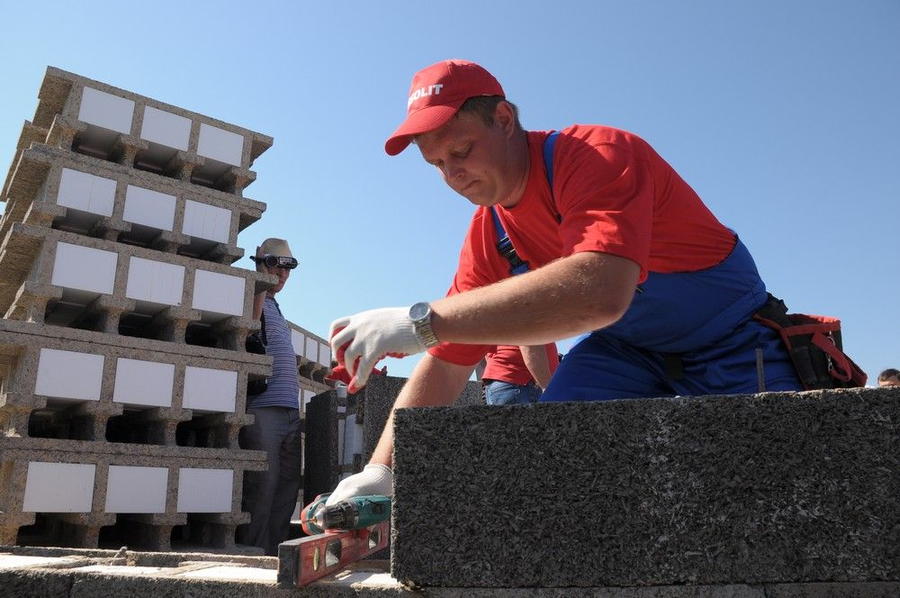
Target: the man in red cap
(587, 230)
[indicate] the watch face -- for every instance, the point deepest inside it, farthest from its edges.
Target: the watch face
(419, 311)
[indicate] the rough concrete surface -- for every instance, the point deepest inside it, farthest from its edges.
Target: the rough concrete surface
(71, 573)
(778, 487)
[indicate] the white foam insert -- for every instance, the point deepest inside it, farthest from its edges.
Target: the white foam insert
(206, 222)
(220, 144)
(218, 293)
(69, 375)
(136, 489)
(86, 192)
(156, 282)
(312, 348)
(141, 382)
(84, 268)
(298, 342)
(59, 488)
(325, 354)
(341, 427)
(209, 389)
(204, 490)
(150, 208)
(106, 110)
(166, 128)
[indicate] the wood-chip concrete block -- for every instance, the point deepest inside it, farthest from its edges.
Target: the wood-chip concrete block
(53, 187)
(88, 485)
(85, 378)
(66, 279)
(768, 488)
(90, 117)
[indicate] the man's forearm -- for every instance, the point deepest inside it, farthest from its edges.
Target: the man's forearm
(570, 296)
(432, 383)
(535, 358)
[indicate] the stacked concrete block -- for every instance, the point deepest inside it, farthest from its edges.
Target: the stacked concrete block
(313, 360)
(774, 488)
(313, 364)
(123, 372)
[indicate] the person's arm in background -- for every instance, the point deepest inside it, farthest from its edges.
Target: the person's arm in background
(535, 358)
(260, 299)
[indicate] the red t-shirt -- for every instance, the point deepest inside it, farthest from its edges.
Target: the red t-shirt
(615, 195)
(506, 364)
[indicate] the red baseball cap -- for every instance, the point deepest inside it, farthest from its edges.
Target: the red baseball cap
(435, 95)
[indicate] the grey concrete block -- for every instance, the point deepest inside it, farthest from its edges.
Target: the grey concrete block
(769, 488)
(321, 460)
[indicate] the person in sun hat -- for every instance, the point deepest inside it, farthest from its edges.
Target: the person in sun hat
(270, 496)
(585, 231)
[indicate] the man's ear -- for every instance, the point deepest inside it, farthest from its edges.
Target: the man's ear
(505, 117)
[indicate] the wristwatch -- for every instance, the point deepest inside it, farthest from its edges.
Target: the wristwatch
(420, 316)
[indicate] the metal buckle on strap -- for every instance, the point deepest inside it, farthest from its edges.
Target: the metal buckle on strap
(506, 249)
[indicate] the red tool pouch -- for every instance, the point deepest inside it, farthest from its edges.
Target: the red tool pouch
(814, 344)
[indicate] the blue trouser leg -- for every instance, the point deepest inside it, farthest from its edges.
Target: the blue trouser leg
(270, 496)
(506, 393)
(601, 368)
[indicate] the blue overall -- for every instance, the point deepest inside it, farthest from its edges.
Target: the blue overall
(704, 317)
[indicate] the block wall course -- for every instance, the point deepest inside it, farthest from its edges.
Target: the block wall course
(769, 488)
(28, 255)
(19, 454)
(36, 184)
(90, 116)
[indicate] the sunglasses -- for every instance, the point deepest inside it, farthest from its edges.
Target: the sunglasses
(276, 261)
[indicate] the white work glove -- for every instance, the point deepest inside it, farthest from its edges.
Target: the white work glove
(360, 341)
(373, 479)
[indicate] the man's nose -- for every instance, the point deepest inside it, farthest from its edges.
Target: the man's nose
(454, 171)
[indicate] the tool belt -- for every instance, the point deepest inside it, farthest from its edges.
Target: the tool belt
(814, 344)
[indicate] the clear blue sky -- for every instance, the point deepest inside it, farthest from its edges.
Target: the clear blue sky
(784, 116)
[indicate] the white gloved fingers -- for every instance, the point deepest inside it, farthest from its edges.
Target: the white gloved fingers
(374, 479)
(339, 336)
(363, 370)
(358, 342)
(338, 324)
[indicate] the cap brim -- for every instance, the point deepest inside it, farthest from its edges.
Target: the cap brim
(421, 121)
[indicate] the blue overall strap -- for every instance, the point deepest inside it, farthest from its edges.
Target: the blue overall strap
(549, 144)
(505, 247)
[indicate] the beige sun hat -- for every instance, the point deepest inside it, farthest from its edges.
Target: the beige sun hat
(276, 247)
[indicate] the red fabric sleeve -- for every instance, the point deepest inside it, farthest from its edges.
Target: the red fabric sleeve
(605, 193)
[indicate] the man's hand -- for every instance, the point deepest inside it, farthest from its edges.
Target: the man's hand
(359, 341)
(373, 479)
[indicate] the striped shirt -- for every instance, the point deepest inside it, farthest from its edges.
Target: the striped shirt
(284, 386)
